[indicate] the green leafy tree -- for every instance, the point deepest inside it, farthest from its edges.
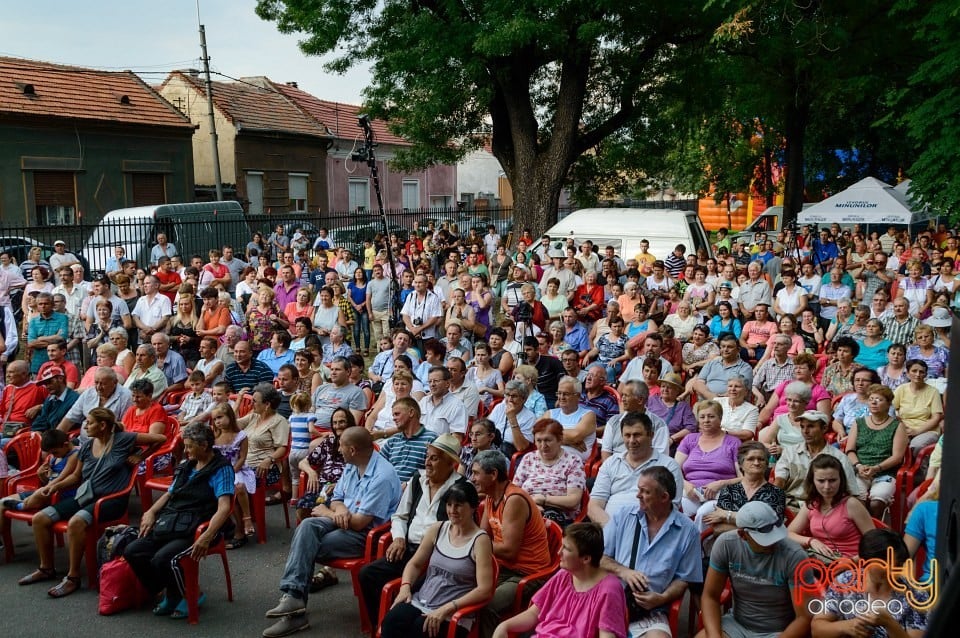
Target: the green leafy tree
(544, 81)
(929, 105)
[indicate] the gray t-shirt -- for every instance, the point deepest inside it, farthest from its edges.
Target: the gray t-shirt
(762, 583)
(329, 397)
(379, 292)
(113, 474)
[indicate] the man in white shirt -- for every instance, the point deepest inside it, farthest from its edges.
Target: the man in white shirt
(152, 311)
(616, 484)
(422, 311)
(491, 240)
(462, 389)
(441, 411)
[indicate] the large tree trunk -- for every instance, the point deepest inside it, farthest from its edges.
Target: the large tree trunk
(796, 120)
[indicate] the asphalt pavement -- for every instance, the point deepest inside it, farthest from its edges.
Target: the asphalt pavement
(255, 570)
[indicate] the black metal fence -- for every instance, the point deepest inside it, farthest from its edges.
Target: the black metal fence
(197, 233)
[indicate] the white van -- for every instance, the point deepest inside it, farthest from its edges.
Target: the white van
(194, 228)
(623, 228)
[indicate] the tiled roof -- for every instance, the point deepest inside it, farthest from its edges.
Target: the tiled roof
(340, 118)
(32, 88)
(255, 108)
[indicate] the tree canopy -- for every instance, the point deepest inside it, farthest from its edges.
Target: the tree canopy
(542, 81)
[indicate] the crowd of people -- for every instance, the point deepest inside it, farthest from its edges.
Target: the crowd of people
(716, 419)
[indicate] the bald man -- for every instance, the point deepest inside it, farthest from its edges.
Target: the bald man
(337, 531)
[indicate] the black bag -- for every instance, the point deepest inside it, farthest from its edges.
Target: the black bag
(10, 429)
(634, 611)
(172, 525)
(114, 542)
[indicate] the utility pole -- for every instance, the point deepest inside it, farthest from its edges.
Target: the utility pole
(213, 124)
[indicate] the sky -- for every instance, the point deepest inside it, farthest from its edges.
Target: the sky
(152, 38)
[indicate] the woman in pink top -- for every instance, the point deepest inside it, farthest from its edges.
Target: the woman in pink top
(832, 522)
(579, 601)
(804, 367)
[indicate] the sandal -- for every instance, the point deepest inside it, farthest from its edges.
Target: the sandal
(236, 543)
(248, 528)
(67, 586)
(165, 608)
(41, 574)
(182, 611)
(325, 577)
(274, 499)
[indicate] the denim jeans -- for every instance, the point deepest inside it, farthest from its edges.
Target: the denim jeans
(316, 540)
(361, 326)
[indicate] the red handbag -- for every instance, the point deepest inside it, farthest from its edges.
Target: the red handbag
(120, 589)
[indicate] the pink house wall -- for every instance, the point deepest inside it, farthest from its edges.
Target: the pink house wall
(436, 181)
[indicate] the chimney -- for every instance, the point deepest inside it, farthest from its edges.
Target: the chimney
(292, 84)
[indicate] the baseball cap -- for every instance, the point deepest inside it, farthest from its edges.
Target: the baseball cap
(761, 523)
(815, 415)
(449, 444)
(59, 242)
(726, 284)
(49, 373)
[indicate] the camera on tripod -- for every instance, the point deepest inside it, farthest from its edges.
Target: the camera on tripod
(524, 312)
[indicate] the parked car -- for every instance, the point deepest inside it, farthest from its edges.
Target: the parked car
(19, 247)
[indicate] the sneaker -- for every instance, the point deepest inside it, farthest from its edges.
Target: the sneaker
(288, 606)
(287, 626)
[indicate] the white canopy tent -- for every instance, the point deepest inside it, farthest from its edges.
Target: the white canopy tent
(869, 202)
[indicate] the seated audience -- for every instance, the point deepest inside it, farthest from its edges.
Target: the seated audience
(553, 476)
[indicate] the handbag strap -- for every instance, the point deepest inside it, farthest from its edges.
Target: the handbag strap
(636, 542)
(105, 451)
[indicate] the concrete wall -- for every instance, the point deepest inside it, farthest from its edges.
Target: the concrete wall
(479, 172)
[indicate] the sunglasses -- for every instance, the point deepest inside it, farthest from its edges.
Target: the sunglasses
(766, 529)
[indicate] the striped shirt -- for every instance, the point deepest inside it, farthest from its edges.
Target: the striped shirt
(300, 430)
(901, 333)
(408, 454)
(258, 372)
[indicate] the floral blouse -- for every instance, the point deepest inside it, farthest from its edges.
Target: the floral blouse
(732, 497)
(327, 460)
(551, 480)
(260, 328)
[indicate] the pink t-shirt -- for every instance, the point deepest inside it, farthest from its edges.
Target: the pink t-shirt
(702, 467)
(817, 393)
(567, 613)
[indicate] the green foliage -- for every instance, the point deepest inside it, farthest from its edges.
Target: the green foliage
(930, 104)
(543, 80)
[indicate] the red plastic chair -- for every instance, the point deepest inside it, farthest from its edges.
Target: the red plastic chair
(612, 390)
(584, 501)
(554, 543)
(391, 589)
(191, 575)
(26, 445)
(906, 482)
(258, 509)
(245, 405)
(151, 480)
(96, 529)
(517, 456)
(354, 565)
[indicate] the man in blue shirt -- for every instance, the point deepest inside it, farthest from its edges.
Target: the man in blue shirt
(575, 334)
(365, 496)
(824, 251)
(654, 549)
(46, 328)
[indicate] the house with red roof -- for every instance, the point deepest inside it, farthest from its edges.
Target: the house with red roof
(273, 155)
(350, 187)
(79, 142)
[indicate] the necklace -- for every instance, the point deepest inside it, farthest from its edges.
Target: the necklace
(873, 420)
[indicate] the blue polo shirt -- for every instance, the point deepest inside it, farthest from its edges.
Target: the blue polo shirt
(578, 338)
(57, 324)
(673, 554)
(376, 493)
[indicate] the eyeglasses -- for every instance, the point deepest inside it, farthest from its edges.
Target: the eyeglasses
(566, 394)
(512, 395)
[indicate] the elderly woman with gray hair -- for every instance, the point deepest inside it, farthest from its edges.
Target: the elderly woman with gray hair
(202, 491)
(512, 419)
(785, 428)
(579, 423)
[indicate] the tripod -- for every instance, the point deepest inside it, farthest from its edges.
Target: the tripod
(365, 154)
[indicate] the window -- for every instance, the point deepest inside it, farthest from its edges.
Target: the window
(359, 195)
(255, 193)
(441, 201)
(148, 189)
(297, 188)
(411, 194)
(55, 198)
